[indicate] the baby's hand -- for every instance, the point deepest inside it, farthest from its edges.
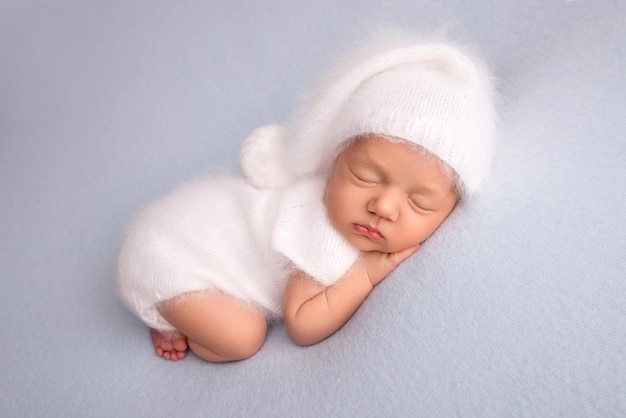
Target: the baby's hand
(378, 265)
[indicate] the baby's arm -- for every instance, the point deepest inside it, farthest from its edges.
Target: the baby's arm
(314, 312)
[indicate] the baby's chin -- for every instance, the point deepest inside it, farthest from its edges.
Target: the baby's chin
(365, 245)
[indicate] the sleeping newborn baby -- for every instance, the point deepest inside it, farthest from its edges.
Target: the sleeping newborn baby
(328, 205)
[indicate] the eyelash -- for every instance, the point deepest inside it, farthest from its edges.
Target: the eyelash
(418, 206)
(363, 179)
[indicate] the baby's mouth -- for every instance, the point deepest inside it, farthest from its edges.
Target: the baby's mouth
(368, 231)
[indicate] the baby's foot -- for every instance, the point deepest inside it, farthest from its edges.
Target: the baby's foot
(171, 345)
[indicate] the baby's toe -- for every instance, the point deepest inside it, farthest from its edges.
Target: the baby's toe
(180, 344)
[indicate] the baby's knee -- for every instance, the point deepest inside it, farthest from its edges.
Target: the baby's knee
(248, 339)
(243, 340)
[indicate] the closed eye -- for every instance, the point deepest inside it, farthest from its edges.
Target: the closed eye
(367, 179)
(420, 204)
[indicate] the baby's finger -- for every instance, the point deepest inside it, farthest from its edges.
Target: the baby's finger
(400, 256)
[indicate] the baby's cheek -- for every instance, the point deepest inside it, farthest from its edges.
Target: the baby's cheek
(431, 227)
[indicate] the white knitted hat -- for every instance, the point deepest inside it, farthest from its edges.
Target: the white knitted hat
(427, 93)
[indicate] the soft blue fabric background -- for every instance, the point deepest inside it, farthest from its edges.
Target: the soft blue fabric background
(516, 307)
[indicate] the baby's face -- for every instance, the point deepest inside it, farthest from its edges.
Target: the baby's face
(387, 196)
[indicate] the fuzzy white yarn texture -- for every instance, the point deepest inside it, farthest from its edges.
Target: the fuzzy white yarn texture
(433, 94)
(225, 234)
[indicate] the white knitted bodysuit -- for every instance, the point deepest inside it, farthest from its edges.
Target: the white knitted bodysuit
(225, 234)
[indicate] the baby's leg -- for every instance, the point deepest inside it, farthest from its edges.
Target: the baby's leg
(218, 327)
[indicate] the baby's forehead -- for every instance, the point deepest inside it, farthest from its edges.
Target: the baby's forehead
(420, 162)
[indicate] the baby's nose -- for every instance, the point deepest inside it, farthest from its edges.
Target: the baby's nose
(385, 205)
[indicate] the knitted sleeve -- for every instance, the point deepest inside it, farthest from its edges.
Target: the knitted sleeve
(304, 234)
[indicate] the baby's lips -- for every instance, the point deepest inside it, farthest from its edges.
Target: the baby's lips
(368, 231)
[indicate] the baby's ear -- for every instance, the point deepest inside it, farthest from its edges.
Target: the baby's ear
(261, 159)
